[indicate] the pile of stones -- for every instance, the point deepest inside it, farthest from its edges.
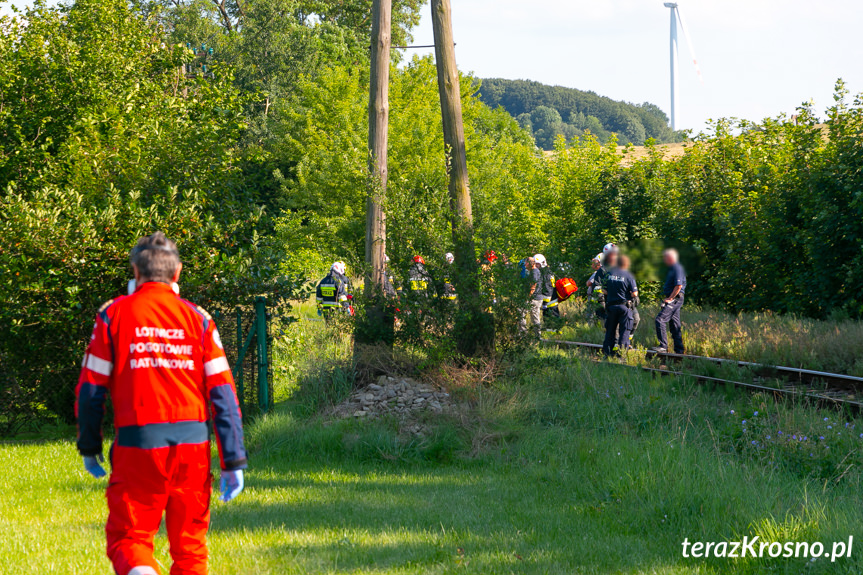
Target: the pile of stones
(403, 397)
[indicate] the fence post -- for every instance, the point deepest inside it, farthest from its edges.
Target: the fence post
(261, 323)
(238, 368)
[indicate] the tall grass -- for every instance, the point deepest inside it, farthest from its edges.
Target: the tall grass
(759, 337)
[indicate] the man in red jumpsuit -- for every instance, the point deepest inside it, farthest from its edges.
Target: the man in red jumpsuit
(160, 358)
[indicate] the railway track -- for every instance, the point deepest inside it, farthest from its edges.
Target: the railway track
(824, 387)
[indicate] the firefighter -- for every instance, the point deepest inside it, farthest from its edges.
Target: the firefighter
(595, 265)
(418, 277)
(391, 289)
(333, 292)
(533, 281)
(619, 288)
(594, 291)
(160, 359)
(486, 269)
(549, 293)
(599, 278)
(448, 291)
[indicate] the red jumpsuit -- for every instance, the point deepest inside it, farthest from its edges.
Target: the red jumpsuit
(160, 358)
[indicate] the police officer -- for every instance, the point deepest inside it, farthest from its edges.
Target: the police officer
(669, 312)
(620, 288)
(332, 292)
(633, 303)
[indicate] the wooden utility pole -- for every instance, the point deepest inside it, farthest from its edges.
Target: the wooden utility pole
(474, 330)
(379, 108)
(377, 324)
(453, 127)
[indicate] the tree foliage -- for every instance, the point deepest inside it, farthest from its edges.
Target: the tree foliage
(104, 139)
(578, 112)
(111, 127)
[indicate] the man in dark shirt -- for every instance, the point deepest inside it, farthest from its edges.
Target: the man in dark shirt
(620, 288)
(669, 313)
(633, 303)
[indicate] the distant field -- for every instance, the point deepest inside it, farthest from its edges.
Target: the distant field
(632, 154)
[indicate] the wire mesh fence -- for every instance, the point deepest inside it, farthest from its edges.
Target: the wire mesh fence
(250, 358)
(40, 390)
(31, 395)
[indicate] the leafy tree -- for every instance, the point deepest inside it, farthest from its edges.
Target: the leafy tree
(104, 140)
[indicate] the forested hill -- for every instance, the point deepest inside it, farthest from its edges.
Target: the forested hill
(551, 110)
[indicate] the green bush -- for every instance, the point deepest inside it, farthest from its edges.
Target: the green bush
(105, 140)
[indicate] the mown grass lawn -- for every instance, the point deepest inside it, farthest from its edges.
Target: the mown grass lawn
(563, 467)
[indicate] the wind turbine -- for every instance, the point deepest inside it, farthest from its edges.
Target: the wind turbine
(675, 85)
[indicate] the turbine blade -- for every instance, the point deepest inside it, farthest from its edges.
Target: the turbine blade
(689, 45)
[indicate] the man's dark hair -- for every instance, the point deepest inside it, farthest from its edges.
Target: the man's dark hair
(156, 258)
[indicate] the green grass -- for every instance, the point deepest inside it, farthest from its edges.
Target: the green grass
(561, 466)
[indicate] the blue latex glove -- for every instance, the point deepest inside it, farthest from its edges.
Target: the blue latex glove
(92, 463)
(231, 484)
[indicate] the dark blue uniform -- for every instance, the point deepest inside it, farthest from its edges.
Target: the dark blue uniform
(669, 313)
(619, 287)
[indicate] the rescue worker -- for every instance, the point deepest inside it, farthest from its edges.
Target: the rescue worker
(448, 291)
(669, 312)
(332, 292)
(160, 359)
(620, 288)
(535, 297)
(549, 293)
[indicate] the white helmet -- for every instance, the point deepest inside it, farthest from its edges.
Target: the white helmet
(609, 248)
(599, 257)
(540, 260)
(449, 257)
(339, 268)
(386, 259)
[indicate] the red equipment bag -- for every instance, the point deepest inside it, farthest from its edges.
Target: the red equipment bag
(565, 288)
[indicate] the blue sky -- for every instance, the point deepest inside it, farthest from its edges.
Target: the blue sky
(758, 57)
